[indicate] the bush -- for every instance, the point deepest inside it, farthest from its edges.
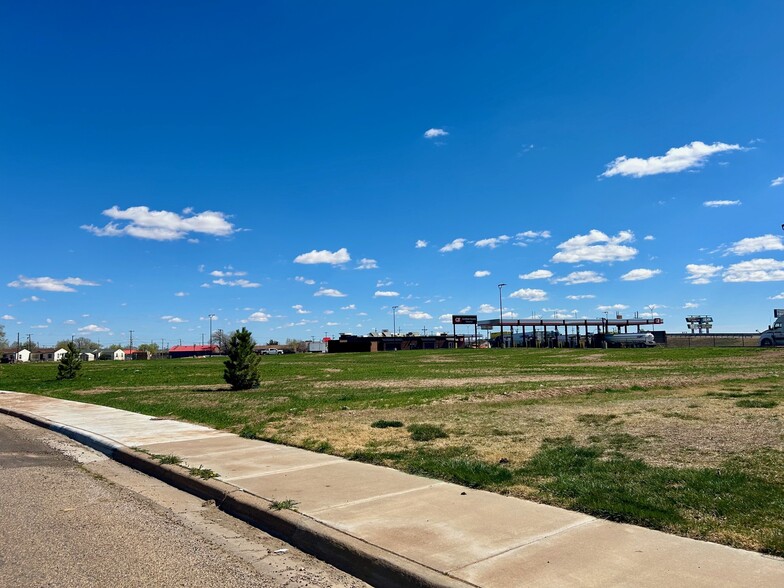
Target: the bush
(242, 368)
(382, 424)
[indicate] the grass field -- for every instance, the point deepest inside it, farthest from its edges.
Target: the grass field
(689, 441)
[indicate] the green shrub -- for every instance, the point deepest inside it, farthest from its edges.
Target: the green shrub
(426, 432)
(382, 424)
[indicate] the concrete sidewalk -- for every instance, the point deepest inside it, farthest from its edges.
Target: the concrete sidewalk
(393, 529)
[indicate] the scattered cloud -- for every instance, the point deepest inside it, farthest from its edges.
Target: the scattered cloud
(418, 315)
(446, 319)
(300, 309)
(757, 244)
(636, 275)
(48, 284)
(487, 309)
(690, 305)
(596, 247)
(93, 329)
(777, 297)
(241, 283)
(541, 274)
(720, 203)
(492, 242)
(755, 270)
(531, 294)
(324, 256)
(385, 294)
(649, 238)
(580, 297)
(259, 317)
(612, 307)
(349, 307)
(481, 273)
(421, 244)
(777, 181)
(367, 264)
(181, 294)
(226, 274)
(304, 280)
(161, 225)
(455, 245)
(677, 159)
(330, 292)
(173, 319)
(702, 273)
(435, 133)
(7, 317)
(584, 277)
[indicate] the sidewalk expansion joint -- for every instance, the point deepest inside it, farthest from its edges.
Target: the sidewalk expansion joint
(283, 471)
(531, 541)
(374, 498)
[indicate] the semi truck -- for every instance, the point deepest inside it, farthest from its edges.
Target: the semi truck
(774, 335)
(630, 340)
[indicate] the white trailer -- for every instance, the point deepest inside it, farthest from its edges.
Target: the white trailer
(630, 339)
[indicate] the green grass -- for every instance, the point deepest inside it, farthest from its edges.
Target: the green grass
(738, 502)
(287, 504)
(203, 473)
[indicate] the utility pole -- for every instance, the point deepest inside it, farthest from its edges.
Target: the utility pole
(501, 311)
(212, 316)
(130, 341)
(394, 326)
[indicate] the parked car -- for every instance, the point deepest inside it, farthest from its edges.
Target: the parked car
(272, 352)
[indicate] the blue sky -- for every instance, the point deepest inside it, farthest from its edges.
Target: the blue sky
(300, 167)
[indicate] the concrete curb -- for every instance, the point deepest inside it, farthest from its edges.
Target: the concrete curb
(367, 562)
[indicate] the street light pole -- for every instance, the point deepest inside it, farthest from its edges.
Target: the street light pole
(394, 325)
(501, 311)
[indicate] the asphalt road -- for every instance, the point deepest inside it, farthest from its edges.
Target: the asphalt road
(70, 517)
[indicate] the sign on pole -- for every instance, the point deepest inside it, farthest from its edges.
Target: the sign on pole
(464, 319)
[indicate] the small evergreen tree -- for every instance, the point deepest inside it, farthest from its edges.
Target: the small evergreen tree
(242, 368)
(70, 364)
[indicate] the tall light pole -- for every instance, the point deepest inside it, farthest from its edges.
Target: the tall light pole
(501, 311)
(394, 325)
(212, 316)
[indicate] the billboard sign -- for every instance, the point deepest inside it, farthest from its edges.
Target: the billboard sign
(778, 312)
(464, 319)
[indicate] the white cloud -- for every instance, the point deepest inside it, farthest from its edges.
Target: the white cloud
(173, 319)
(385, 294)
(757, 244)
(420, 244)
(419, 316)
(636, 275)
(180, 294)
(719, 203)
(596, 247)
(332, 324)
(465, 310)
(7, 317)
(777, 181)
(446, 318)
(349, 307)
(702, 273)
(541, 274)
(455, 245)
(487, 309)
(304, 280)
(584, 277)
(755, 270)
(532, 235)
(300, 309)
(330, 292)
(226, 274)
(50, 284)
(161, 225)
(492, 242)
(481, 273)
(366, 264)
(241, 283)
(532, 294)
(39, 326)
(777, 297)
(580, 297)
(92, 329)
(324, 256)
(435, 133)
(383, 283)
(676, 159)
(649, 238)
(259, 317)
(690, 305)
(69, 322)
